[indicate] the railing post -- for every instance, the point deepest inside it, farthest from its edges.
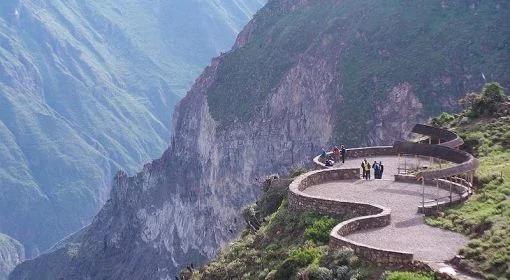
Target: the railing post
(437, 188)
(451, 185)
(405, 164)
(423, 193)
(398, 164)
(415, 162)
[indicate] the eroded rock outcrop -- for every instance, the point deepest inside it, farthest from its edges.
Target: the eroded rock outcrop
(11, 254)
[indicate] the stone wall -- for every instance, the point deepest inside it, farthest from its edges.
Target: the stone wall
(367, 216)
(464, 162)
(372, 216)
(444, 137)
(371, 152)
(359, 153)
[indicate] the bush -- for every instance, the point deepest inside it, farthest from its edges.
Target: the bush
(343, 273)
(320, 229)
(443, 119)
(487, 102)
(287, 269)
(337, 258)
(307, 255)
(320, 273)
(404, 275)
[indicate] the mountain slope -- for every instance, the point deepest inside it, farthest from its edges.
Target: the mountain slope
(11, 253)
(485, 217)
(301, 76)
(87, 88)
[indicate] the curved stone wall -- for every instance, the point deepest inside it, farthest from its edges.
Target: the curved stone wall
(373, 216)
(359, 153)
(464, 162)
(368, 215)
(446, 137)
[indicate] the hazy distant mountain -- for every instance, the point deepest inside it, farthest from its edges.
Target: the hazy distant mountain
(87, 88)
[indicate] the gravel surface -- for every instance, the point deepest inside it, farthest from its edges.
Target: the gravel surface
(407, 231)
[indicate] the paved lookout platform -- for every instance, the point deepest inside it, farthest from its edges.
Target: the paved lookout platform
(387, 224)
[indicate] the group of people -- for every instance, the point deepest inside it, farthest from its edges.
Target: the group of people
(339, 154)
(377, 166)
(336, 156)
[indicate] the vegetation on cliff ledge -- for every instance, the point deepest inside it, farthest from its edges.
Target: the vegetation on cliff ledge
(364, 48)
(283, 244)
(485, 217)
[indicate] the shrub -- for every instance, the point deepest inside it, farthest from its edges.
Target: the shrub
(443, 119)
(320, 229)
(287, 269)
(343, 273)
(404, 275)
(487, 102)
(307, 255)
(319, 273)
(337, 258)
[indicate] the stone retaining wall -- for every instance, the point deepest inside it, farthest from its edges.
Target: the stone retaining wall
(371, 215)
(464, 162)
(371, 152)
(368, 215)
(359, 153)
(446, 137)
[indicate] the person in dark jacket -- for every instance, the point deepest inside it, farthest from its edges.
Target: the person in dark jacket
(363, 169)
(381, 167)
(324, 155)
(375, 166)
(343, 152)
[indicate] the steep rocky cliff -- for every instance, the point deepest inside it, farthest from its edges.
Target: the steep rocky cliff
(11, 254)
(87, 88)
(301, 76)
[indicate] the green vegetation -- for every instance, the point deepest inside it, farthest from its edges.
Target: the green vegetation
(485, 217)
(286, 245)
(400, 275)
(319, 230)
(369, 47)
(443, 119)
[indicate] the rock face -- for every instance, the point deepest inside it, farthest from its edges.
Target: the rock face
(87, 88)
(301, 76)
(11, 254)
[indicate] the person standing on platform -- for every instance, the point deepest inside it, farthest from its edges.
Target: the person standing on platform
(343, 152)
(336, 153)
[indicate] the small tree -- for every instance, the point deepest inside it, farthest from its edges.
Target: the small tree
(488, 102)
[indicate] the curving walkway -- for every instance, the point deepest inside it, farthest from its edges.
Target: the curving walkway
(407, 230)
(386, 227)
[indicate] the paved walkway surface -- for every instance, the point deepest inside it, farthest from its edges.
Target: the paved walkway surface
(407, 231)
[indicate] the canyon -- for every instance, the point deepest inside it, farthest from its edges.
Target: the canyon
(302, 75)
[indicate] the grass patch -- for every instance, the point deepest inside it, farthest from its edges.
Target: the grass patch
(286, 245)
(405, 275)
(485, 217)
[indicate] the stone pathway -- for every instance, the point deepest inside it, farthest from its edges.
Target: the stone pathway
(407, 231)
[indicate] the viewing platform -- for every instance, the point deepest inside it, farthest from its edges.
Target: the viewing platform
(388, 226)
